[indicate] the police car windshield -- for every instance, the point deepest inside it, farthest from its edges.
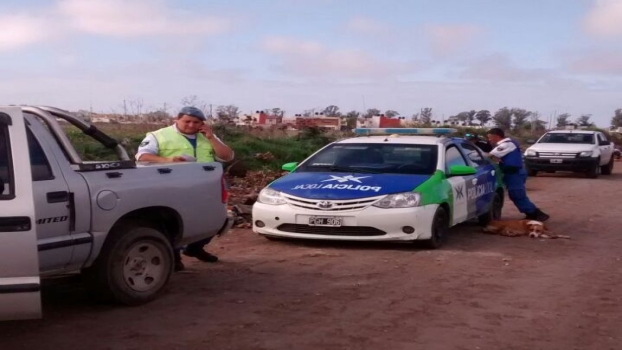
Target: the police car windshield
(376, 158)
(578, 138)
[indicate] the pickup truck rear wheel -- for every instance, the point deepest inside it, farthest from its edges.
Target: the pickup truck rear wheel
(532, 173)
(608, 168)
(134, 265)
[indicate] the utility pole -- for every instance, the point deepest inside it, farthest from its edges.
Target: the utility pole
(124, 109)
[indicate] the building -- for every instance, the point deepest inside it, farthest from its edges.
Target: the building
(318, 120)
(380, 121)
(264, 119)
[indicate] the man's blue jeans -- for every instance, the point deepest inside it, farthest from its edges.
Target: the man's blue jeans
(515, 184)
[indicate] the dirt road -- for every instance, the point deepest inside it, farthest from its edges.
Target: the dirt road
(480, 292)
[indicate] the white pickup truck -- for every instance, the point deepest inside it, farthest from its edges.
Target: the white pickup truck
(583, 151)
(117, 222)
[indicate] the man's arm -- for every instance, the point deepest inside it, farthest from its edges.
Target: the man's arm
(222, 151)
(148, 152)
(502, 149)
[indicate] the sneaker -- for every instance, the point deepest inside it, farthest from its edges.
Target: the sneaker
(202, 255)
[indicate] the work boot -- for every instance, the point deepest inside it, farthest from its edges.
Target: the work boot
(201, 255)
(537, 215)
(179, 266)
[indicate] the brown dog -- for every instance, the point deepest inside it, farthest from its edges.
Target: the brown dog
(513, 228)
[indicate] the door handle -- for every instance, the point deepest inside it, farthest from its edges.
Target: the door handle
(57, 197)
(15, 224)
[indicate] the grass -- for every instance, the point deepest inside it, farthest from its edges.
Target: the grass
(245, 143)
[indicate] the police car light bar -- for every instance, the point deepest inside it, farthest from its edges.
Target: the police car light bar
(404, 131)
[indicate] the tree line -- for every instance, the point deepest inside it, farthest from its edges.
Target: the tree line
(505, 118)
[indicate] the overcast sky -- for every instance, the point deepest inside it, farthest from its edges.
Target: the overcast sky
(451, 55)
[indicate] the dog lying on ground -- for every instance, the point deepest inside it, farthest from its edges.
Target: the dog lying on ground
(514, 228)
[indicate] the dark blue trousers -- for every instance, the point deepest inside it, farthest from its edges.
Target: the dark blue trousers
(515, 184)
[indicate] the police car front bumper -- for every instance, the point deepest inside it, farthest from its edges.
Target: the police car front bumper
(368, 224)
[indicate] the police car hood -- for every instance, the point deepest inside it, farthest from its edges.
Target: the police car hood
(334, 185)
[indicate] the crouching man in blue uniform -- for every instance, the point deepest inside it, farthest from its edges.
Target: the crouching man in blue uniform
(508, 155)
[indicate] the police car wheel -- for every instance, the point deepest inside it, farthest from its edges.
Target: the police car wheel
(440, 225)
(494, 213)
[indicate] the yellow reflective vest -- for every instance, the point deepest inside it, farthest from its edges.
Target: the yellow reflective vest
(171, 143)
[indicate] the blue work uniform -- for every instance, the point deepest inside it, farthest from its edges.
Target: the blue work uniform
(514, 174)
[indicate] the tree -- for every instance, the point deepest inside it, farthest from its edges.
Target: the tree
(195, 101)
(331, 111)
(371, 112)
(351, 118)
(616, 120)
(521, 118)
(426, 116)
(503, 119)
(415, 117)
(584, 120)
(562, 120)
(227, 113)
(483, 117)
(308, 112)
(391, 113)
(277, 112)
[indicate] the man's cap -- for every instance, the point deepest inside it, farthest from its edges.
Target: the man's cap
(193, 112)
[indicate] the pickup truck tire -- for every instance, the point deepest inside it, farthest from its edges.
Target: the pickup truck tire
(607, 169)
(532, 173)
(594, 171)
(134, 265)
(494, 213)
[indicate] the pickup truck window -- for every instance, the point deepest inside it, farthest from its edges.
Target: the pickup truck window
(39, 164)
(574, 138)
(6, 168)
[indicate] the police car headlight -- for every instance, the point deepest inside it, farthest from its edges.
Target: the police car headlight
(270, 196)
(399, 200)
(585, 154)
(530, 153)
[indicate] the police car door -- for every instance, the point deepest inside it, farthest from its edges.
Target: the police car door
(463, 204)
(19, 265)
(484, 187)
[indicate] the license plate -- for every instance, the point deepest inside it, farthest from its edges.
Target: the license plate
(557, 161)
(325, 221)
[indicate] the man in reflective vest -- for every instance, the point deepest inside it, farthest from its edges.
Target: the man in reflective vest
(508, 155)
(189, 139)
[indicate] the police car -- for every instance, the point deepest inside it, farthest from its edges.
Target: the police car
(402, 184)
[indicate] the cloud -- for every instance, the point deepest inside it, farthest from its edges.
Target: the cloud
(499, 68)
(17, 31)
(604, 19)
(311, 59)
(448, 39)
(138, 18)
(606, 63)
(367, 26)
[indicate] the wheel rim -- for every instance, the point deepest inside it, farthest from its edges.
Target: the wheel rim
(144, 266)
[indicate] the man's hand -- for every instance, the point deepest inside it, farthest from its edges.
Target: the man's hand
(207, 131)
(177, 159)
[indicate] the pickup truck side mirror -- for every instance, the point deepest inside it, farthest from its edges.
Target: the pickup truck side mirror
(289, 166)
